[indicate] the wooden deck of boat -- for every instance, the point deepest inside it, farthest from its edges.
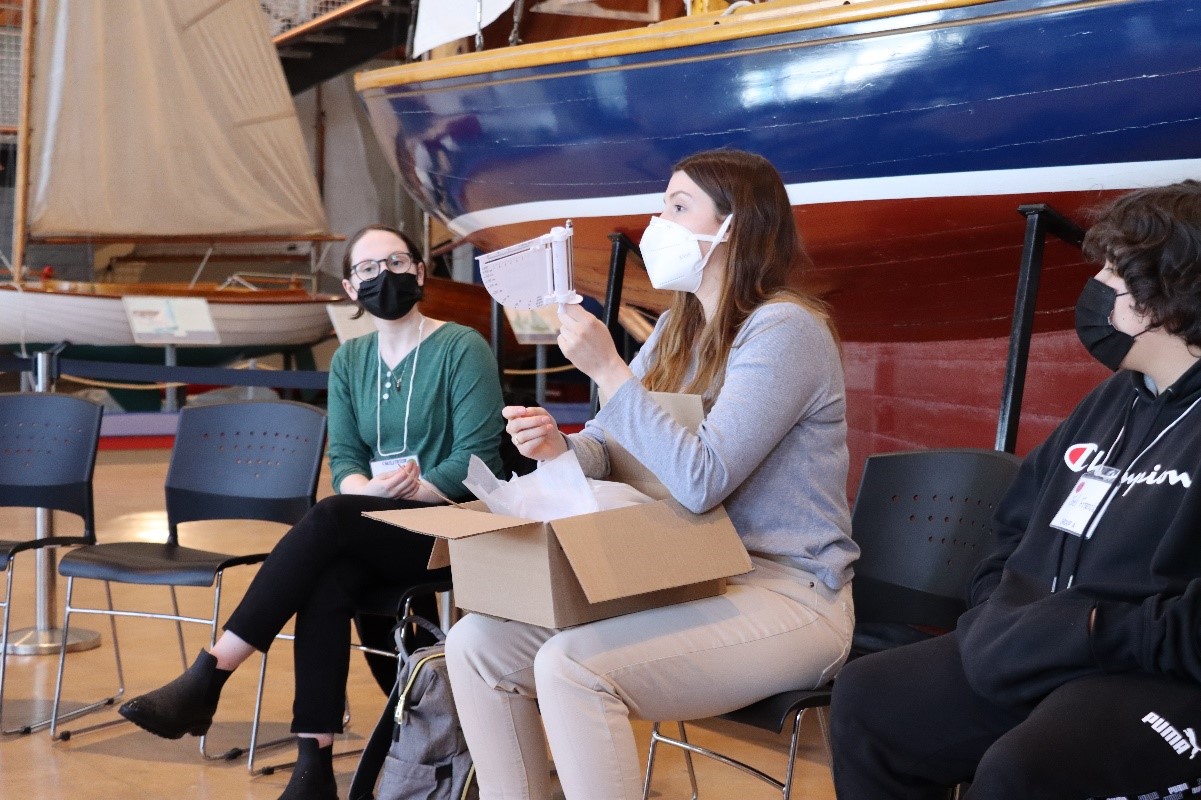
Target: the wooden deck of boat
(125, 762)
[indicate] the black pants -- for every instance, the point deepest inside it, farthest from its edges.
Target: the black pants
(319, 572)
(905, 724)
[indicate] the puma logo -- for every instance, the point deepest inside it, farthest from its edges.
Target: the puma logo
(1180, 742)
(1192, 740)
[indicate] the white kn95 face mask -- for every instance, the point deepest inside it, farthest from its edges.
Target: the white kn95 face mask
(672, 253)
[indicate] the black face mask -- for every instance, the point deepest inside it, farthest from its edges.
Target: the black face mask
(1094, 310)
(390, 295)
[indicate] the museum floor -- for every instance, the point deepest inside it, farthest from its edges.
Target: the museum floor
(122, 762)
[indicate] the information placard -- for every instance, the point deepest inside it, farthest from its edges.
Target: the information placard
(170, 320)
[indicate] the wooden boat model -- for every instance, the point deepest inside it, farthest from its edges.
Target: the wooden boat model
(202, 150)
(91, 316)
(93, 313)
(907, 131)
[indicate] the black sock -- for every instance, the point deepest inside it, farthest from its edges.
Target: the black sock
(313, 775)
(217, 679)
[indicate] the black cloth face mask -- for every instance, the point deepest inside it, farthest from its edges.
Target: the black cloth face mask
(1094, 310)
(390, 295)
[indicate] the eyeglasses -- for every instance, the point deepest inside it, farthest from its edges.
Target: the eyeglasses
(369, 268)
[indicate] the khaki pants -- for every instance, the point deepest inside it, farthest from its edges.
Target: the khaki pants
(775, 629)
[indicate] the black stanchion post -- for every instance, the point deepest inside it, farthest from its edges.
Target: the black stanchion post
(43, 638)
(620, 247)
(1041, 219)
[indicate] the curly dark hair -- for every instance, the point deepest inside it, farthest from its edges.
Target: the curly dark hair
(1152, 237)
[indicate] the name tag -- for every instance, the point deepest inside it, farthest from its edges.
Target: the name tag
(1081, 506)
(387, 465)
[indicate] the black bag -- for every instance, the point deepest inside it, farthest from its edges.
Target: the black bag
(417, 749)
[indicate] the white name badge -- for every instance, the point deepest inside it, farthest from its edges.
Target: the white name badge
(1081, 505)
(387, 465)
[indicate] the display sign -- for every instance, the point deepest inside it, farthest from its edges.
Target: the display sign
(170, 320)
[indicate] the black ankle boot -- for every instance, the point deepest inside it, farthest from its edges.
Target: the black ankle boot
(313, 775)
(185, 705)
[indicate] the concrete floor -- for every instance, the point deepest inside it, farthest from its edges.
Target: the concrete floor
(122, 762)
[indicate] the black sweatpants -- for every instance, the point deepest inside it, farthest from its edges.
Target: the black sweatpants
(318, 572)
(905, 724)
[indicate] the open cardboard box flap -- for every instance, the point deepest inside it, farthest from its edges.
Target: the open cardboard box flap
(450, 522)
(657, 550)
(644, 548)
(616, 553)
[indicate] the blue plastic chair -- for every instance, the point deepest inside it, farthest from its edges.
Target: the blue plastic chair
(47, 456)
(248, 460)
(923, 521)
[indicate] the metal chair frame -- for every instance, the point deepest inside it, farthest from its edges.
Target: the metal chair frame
(204, 483)
(55, 437)
(403, 608)
(939, 500)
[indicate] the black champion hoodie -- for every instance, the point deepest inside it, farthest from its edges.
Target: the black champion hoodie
(1140, 569)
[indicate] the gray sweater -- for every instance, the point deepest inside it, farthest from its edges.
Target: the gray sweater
(772, 446)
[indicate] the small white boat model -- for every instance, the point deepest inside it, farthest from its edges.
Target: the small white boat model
(169, 123)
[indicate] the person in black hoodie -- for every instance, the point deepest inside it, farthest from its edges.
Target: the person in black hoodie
(1076, 671)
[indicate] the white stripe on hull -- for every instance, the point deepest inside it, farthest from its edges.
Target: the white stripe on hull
(1037, 180)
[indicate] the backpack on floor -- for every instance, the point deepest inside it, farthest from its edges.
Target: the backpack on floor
(417, 749)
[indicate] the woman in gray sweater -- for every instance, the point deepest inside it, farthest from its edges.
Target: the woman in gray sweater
(772, 448)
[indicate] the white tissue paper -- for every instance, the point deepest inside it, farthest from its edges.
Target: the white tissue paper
(556, 489)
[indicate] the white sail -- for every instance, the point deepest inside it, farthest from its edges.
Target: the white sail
(442, 21)
(164, 118)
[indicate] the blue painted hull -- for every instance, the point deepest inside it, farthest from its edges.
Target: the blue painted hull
(907, 142)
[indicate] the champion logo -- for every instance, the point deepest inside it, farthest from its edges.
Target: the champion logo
(1182, 743)
(1077, 456)
(1087, 456)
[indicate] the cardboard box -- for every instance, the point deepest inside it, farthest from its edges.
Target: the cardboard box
(579, 569)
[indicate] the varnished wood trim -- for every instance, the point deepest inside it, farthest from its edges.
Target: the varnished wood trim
(317, 23)
(744, 22)
(198, 239)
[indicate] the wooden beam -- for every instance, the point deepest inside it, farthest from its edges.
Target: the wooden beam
(318, 23)
(22, 179)
(130, 238)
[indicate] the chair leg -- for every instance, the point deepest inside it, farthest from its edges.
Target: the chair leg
(792, 748)
(254, 725)
(682, 742)
(233, 752)
(688, 761)
(650, 761)
(688, 747)
(55, 717)
(183, 650)
(8, 596)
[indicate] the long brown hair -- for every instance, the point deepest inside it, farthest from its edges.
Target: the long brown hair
(764, 257)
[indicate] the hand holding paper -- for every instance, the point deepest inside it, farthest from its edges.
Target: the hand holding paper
(587, 344)
(401, 484)
(534, 432)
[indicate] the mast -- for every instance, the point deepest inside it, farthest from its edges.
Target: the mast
(21, 186)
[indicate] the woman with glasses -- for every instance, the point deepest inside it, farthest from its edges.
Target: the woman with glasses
(408, 406)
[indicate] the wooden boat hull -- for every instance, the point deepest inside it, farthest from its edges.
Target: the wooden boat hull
(93, 314)
(249, 323)
(907, 131)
